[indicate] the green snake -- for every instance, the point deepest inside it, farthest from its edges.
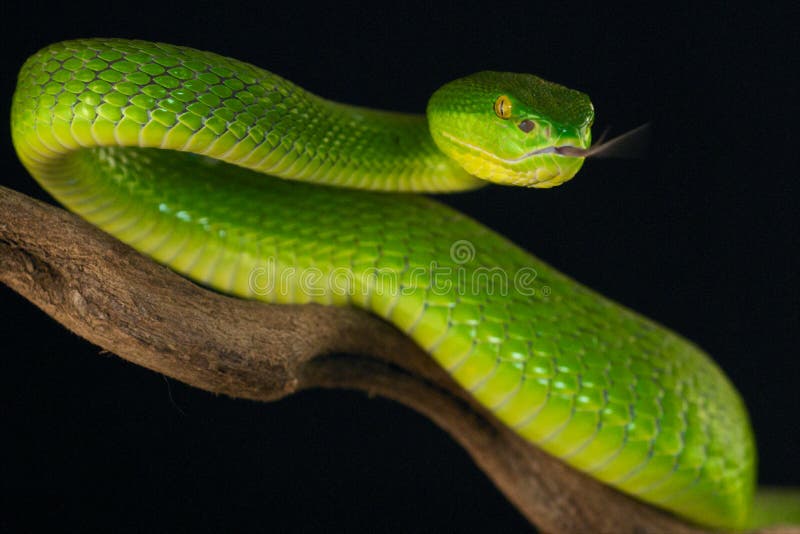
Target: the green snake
(212, 166)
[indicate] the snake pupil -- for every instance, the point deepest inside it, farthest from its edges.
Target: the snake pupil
(502, 107)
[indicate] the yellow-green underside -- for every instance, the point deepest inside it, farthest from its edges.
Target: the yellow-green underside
(591, 382)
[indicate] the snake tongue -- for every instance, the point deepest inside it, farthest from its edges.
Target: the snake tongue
(632, 144)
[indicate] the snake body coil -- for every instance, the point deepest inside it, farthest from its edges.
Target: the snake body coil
(166, 148)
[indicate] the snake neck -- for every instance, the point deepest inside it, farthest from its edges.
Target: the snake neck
(364, 148)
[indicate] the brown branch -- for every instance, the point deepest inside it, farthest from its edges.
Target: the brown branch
(109, 294)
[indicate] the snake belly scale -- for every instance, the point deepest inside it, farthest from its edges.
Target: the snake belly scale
(176, 152)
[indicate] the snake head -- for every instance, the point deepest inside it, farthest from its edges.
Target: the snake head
(514, 129)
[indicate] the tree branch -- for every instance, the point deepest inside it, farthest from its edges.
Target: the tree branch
(127, 304)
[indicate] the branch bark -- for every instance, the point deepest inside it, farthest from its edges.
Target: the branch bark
(127, 304)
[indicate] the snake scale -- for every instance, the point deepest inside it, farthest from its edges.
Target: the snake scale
(207, 164)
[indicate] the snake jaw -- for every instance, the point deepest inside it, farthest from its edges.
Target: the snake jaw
(543, 167)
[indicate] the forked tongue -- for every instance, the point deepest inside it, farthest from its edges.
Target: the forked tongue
(633, 144)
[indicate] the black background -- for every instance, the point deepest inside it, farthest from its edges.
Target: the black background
(701, 236)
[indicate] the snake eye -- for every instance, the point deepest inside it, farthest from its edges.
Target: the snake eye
(502, 107)
(527, 125)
